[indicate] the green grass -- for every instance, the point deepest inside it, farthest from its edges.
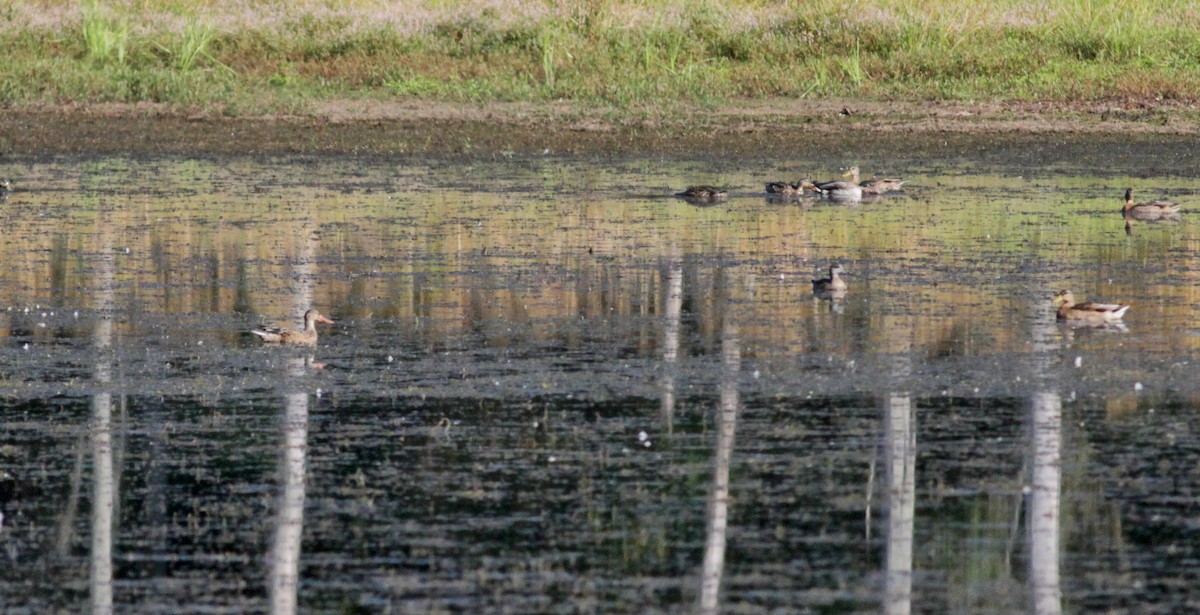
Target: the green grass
(618, 53)
(105, 39)
(186, 51)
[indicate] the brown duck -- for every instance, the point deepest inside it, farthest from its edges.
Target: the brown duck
(875, 185)
(1094, 313)
(841, 190)
(1149, 210)
(703, 193)
(783, 187)
(882, 185)
(305, 337)
(832, 284)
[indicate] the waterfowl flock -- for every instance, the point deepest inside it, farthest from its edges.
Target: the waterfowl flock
(850, 188)
(1067, 310)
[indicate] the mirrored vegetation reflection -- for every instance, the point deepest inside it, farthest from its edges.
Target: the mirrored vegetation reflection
(550, 386)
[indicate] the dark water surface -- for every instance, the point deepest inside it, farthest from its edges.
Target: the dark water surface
(552, 388)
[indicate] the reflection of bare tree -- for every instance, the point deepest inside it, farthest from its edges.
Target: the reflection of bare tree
(65, 533)
(284, 559)
(718, 498)
(285, 549)
(1043, 503)
(305, 274)
(672, 308)
(103, 501)
(900, 455)
(1045, 454)
(104, 488)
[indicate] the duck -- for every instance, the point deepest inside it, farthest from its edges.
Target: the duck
(796, 188)
(832, 284)
(305, 337)
(875, 185)
(882, 185)
(1088, 312)
(785, 188)
(703, 193)
(1149, 210)
(852, 173)
(841, 190)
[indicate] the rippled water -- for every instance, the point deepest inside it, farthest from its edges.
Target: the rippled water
(553, 388)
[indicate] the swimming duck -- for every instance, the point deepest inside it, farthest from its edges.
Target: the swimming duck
(832, 284)
(852, 173)
(1094, 313)
(306, 337)
(791, 189)
(785, 188)
(1148, 210)
(881, 185)
(875, 185)
(703, 193)
(841, 190)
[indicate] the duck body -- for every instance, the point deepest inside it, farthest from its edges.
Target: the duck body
(796, 189)
(1149, 210)
(832, 284)
(785, 188)
(839, 189)
(703, 193)
(852, 173)
(847, 189)
(1087, 312)
(304, 337)
(881, 185)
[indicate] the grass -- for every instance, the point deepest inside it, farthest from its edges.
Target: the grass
(187, 50)
(618, 53)
(105, 39)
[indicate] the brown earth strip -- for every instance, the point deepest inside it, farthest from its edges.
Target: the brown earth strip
(389, 127)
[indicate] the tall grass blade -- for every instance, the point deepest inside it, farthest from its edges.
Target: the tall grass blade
(191, 47)
(104, 39)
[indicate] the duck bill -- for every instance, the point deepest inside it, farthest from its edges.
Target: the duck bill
(324, 320)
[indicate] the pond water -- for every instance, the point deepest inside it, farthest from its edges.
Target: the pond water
(551, 387)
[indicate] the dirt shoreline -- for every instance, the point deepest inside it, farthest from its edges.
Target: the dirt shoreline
(413, 127)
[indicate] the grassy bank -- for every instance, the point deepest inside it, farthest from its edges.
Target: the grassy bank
(226, 56)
